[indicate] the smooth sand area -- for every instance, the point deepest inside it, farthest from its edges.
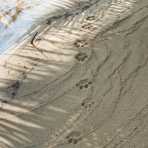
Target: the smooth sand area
(81, 83)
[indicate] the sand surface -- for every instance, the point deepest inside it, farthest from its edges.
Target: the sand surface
(83, 83)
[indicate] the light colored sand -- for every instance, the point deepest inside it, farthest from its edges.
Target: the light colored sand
(57, 101)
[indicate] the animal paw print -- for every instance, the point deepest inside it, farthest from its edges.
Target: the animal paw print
(74, 137)
(89, 26)
(13, 88)
(81, 56)
(86, 104)
(83, 84)
(80, 43)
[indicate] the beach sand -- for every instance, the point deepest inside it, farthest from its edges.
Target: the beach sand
(80, 83)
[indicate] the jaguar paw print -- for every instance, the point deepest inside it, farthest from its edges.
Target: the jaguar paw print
(73, 137)
(13, 88)
(81, 56)
(80, 43)
(89, 27)
(85, 83)
(87, 104)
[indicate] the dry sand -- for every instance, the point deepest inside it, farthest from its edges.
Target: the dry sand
(82, 84)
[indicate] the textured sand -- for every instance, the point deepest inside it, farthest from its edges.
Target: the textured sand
(82, 84)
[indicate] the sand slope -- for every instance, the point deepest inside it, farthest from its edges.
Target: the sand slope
(82, 82)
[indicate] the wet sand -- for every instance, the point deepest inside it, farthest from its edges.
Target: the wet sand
(81, 83)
